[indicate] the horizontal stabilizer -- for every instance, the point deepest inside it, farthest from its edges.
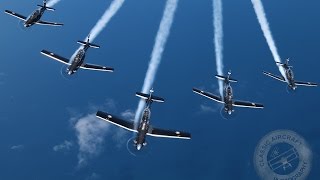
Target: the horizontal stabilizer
(152, 97)
(279, 63)
(300, 83)
(225, 78)
(274, 76)
(116, 121)
(89, 44)
(208, 95)
(47, 8)
(155, 132)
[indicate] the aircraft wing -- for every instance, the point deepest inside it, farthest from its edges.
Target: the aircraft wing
(274, 76)
(116, 121)
(55, 57)
(155, 132)
(23, 18)
(247, 104)
(48, 23)
(96, 67)
(208, 95)
(299, 83)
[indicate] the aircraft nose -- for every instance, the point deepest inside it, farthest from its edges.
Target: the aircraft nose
(69, 72)
(139, 147)
(229, 112)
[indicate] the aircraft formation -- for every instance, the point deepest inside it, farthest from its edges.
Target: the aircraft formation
(143, 128)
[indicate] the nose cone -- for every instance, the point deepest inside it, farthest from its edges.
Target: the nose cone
(69, 72)
(229, 112)
(139, 146)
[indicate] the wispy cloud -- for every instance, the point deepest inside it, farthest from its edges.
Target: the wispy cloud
(206, 108)
(93, 176)
(63, 147)
(17, 147)
(128, 114)
(2, 77)
(90, 133)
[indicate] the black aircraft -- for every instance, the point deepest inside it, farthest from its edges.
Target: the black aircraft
(227, 100)
(144, 127)
(78, 61)
(35, 17)
(289, 77)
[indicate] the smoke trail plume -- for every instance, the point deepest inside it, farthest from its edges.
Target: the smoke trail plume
(160, 42)
(218, 39)
(51, 3)
(103, 21)
(261, 16)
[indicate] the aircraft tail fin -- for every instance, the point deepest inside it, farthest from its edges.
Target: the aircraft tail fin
(149, 97)
(225, 78)
(87, 43)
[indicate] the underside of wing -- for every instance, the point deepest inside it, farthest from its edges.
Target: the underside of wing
(155, 132)
(247, 104)
(96, 67)
(274, 76)
(208, 95)
(23, 18)
(300, 83)
(116, 121)
(55, 57)
(48, 23)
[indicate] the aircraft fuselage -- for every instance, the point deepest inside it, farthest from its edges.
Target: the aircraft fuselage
(78, 60)
(143, 128)
(228, 95)
(34, 17)
(290, 78)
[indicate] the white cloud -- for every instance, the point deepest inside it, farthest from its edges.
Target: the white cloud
(90, 133)
(17, 147)
(205, 108)
(65, 146)
(128, 115)
(93, 176)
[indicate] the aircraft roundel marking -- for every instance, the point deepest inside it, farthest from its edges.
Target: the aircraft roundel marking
(109, 116)
(177, 132)
(52, 54)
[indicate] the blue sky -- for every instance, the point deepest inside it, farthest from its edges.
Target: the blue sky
(40, 109)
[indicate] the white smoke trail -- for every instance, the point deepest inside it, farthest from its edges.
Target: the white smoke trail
(51, 3)
(160, 42)
(103, 21)
(261, 16)
(218, 39)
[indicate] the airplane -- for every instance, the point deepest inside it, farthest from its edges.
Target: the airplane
(289, 76)
(35, 17)
(227, 100)
(78, 61)
(144, 127)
